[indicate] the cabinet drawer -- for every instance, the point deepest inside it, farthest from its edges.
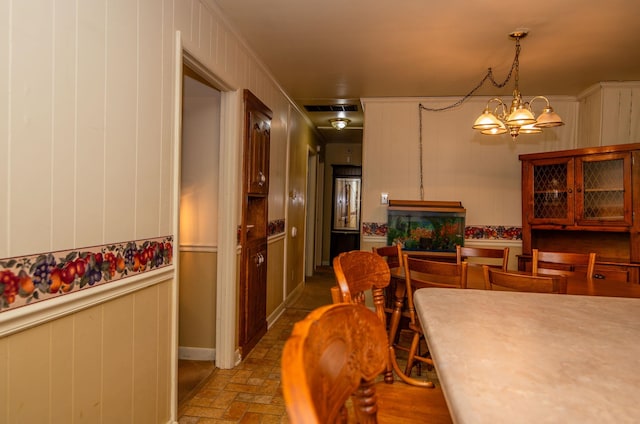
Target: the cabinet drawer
(612, 273)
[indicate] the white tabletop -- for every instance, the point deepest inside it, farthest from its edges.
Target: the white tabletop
(507, 357)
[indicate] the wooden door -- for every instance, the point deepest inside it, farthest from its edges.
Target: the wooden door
(253, 229)
(258, 130)
(603, 190)
(253, 292)
(548, 191)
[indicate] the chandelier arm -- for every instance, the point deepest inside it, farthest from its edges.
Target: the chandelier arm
(501, 105)
(539, 97)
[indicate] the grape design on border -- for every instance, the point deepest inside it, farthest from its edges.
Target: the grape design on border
(27, 279)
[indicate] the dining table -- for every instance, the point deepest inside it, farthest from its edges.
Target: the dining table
(514, 357)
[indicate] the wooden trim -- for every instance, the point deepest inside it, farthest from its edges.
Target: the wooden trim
(426, 203)
(585, 151)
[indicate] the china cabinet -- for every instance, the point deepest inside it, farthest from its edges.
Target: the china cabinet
(584, 200)
(253, 229)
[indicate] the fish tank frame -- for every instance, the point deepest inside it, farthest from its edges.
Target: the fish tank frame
(426, 225)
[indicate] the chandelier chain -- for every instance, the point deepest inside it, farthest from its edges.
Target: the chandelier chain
(488, 76)
(420, 154)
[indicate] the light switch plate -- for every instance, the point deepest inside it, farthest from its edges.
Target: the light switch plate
(384, 198)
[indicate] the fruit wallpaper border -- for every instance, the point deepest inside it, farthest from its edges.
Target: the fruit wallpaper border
(275, 227)
(28, 279)
(475, 232)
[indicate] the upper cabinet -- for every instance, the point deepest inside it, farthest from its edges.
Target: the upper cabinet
(583, 200)
(257, 127)
(582, 190)
(609, 114)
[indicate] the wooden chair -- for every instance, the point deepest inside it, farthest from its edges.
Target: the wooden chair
(421, 273)
(563, 263)
(395, 290)
(483, 256)
(338, 351)
(393, 254)
(358, 272)
(524, 282)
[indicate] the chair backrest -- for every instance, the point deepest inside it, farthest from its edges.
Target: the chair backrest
(356, 273)
(336, 351)
(421, 273)
(563, 263)
(494, 277)
(393, 254)
(483, 256)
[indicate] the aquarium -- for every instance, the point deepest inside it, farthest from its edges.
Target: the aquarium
(432, 226)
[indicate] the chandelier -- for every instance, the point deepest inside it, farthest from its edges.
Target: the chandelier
(518, 118)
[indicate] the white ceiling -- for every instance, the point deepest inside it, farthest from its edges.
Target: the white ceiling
(338, 51)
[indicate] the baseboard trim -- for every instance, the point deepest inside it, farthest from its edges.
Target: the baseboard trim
(271, 319)
(196, 353)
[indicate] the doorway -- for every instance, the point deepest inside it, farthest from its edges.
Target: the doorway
(198, 229)
(345, 209)
(310, 214)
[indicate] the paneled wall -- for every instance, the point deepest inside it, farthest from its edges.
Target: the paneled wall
(107, 363)
(86, 125)
(87, 116)
(609, 114)
(297, 201)
(275, 272)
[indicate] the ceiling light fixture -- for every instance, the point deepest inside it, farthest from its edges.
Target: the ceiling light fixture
(339, 123)
(518, 118)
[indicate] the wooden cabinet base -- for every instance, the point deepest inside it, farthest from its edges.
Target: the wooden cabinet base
(612, 271)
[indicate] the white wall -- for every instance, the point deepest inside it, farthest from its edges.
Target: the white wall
(200, 163)
(85, 124)
(458, 164)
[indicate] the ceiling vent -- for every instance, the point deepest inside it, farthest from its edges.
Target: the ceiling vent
(331, 108)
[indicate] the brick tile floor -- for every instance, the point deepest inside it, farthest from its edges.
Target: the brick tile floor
(250, 393)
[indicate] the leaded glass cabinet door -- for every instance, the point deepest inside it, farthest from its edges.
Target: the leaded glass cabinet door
(602, 184)
(553, 191)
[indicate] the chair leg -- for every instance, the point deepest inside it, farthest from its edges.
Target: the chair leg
(412, 353)
(396, 315)
(364, 402)
(415, 358)
(405, 378)
(419, 355)
(388, 374)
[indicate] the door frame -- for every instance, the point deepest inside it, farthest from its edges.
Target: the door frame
(226, 355)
